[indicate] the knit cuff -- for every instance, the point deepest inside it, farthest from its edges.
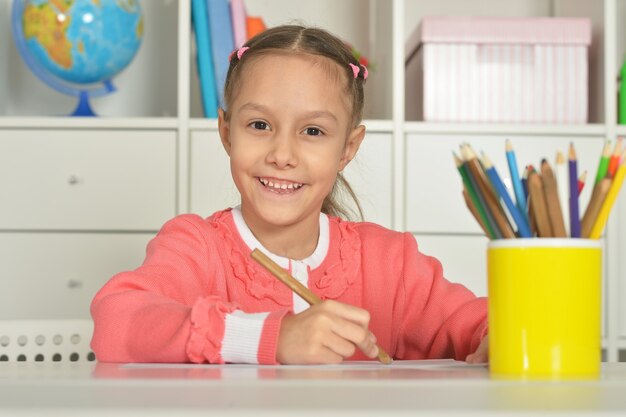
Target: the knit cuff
(269, 337)
(242, 334)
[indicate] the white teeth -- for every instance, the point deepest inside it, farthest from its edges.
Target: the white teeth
(276, 186)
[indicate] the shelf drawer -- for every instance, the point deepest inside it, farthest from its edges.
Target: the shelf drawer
(56, 275)
(87, 180)
(434, 200)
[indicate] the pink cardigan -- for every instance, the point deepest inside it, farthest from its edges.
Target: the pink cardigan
(173, 307)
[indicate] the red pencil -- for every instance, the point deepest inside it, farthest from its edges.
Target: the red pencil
(615, 158)
(581, 182)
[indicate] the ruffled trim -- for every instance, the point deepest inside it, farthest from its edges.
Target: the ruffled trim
(207, 329)
(258, 283)
(341, 274)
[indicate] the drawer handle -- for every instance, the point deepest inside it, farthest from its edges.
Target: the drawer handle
(73, 180)
(72, 283)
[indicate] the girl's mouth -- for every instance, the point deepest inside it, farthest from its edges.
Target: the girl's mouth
(280, 186)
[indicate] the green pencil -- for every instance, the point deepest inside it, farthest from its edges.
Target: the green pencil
(604, 162)
(472, 194)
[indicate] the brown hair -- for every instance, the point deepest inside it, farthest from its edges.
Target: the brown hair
(294, 39)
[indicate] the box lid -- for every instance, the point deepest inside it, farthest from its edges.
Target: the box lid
(504, 30)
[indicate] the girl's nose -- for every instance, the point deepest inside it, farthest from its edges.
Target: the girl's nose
(283, 151)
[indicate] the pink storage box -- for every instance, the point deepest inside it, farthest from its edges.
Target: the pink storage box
(520, 70)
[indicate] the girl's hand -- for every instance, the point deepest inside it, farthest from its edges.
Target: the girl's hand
(482, 353)
(328, 332)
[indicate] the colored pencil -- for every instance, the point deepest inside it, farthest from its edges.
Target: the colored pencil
(525, 186)
(538, 205)
(615, 158)
(611, 196)
(515, 178)
(595, 204)
(523, 228)
(476, 202)
(472, 208)
(574, 218)
(552, 200)
(581, 182)
(484, 188)
(306, 294)
(604, 162)
(562, 181)
(531, 214)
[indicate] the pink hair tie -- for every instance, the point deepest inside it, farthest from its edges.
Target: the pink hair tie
(239, 52)
(356, 70)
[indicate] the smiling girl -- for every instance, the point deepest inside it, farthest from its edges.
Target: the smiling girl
(290, 124)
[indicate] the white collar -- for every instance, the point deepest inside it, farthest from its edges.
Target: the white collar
(313, 261)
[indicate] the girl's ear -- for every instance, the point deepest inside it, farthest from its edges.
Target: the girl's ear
(352, 146)
(223, 126)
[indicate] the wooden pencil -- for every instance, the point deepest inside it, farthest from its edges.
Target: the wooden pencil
(515, 178)
(489, 219)
(595, 204)
(472, 208)
(538, 205)
(525, 186)
(476, 170)
(553, 205)
(519, 217)
(581, 182)
(615, 158)
(295, 286)
(531, 218)
(477, 203)
(574, 214)
(562, 184)
(611, 196)
(604, 162)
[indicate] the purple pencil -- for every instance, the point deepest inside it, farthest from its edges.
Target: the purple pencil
(574, 216)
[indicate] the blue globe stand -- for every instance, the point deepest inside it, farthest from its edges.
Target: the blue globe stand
(83, 108)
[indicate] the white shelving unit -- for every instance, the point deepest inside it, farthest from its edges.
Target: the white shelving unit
(154, 119)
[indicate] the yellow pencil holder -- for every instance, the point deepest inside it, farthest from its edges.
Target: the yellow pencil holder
(544, 308)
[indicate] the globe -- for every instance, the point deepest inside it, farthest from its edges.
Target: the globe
(77, 46)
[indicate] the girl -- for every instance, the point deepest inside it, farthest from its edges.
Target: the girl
(291, 123)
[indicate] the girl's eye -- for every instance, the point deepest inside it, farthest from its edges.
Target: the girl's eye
(259, 125)
(313, 131)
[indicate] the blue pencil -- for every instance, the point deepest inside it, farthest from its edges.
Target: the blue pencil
(515, 179)
(523, 228)
(574, 216)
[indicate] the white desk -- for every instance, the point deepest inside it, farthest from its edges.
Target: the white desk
(444, 387)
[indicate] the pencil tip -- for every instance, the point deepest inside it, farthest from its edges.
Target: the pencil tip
(508, 145)
(560, 158)
(572, 151)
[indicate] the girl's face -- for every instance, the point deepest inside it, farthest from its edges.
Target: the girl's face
(288, 135)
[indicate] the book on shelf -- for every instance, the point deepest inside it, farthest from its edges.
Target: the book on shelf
(222, 43)
(238, 15)
(220, 27)
(204, 58)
